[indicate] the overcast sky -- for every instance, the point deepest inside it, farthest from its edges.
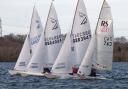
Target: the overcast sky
(16, 14)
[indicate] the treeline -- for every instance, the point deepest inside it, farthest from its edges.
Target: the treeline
(10, 47)
(120, 53)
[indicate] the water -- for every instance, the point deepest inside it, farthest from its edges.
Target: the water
(118, 80)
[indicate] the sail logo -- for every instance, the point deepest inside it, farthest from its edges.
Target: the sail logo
(108, 41)
(84, 18)
(55, 22)
(104, 26)
(38, 24)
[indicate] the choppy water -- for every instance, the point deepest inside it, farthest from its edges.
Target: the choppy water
(118, 80)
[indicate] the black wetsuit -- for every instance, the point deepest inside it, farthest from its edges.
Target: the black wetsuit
(93, 72)
(47, 70)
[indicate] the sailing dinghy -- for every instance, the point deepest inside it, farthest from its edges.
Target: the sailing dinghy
(101, 44)
(48, 47)
(30, 44)
(74, 46)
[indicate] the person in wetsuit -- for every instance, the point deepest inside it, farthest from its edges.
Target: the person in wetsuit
(93, 72)
(46, 70)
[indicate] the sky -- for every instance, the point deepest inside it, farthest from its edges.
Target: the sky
(16, 14)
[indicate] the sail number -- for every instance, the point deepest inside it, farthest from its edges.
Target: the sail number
(108, 41)
(82, 36)
(53, 40)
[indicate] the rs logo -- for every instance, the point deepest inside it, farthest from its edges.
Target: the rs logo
(104, 23)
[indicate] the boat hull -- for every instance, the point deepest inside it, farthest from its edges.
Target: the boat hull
(24, 74)
(89, 78)
(58, 76)
(14, 72)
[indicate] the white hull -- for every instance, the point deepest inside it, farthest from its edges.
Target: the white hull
(89, 78)
(24, 74)
(61, 76)
(14, 72)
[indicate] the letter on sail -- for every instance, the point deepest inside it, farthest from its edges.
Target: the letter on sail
(104, 34)
(81, 32)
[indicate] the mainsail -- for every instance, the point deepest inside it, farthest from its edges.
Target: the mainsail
(104, 33)
(81, 32)
(30, 43)
(53, 37)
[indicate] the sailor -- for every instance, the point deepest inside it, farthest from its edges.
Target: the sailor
(93, 72)
(46, 70)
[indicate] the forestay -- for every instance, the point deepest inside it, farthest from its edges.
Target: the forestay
(31, 42)
(81, 32)
(104, 34)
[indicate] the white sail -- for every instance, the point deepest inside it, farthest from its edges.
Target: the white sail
(39, 58)
(36, 30)
(24, 57)
(81, 32)
(49, 45)
(53, 37)
(104, 34)
(86, 65)
(30, 43)
(63, 63)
